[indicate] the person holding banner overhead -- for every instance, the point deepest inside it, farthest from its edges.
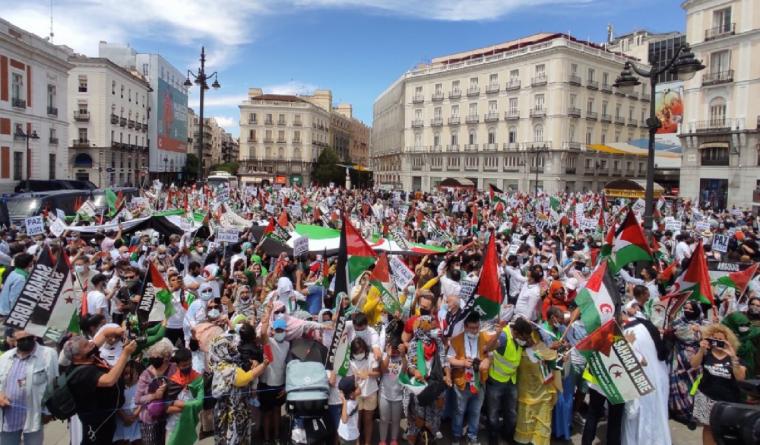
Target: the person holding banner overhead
(23, 264)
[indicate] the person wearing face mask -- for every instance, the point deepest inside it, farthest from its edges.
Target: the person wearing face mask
(685, 333)
(366, 369)
(193, 278)
(244, 304)
(358, 327)
(516, 279)
(749, 341)
(426, 306)
(95, 388)
(272, 382)
(753, 311)
(501, 386)
(469, 363)
(13, 285)
(196, 312)
(96, 302)
(530, 296)
(25, 372)
(151, 387)
(174, 324)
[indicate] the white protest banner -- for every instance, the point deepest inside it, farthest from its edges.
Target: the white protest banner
(589, 224)
(720, 243)
(737, 212)
(402, 275)
(230, 235)
(403, 212)
(57, 228)
(300, 246)
(467, 290)
(269, 208)
(638, 206)
(60, 214)
(513, 248)
(295, 211)
(579, 210)
(35, 226)
(702, 226)
(673, 225)
(516, 239)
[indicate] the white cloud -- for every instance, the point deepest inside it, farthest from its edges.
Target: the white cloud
(293, 87)
(223, 25)
(226, 122)
(212, 99)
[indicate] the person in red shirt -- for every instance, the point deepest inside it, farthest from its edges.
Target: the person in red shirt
(426, 306)
(556, 298)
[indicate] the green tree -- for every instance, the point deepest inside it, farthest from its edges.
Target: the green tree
(327, 170)
(229, 167)
(191, 167)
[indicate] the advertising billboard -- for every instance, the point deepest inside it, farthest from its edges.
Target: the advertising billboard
(669, 107)
(172, 118)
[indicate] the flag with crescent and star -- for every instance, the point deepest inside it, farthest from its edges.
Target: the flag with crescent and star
(597, 300)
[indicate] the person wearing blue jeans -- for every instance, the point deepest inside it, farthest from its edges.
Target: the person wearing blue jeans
(468, 407)
(501, 398)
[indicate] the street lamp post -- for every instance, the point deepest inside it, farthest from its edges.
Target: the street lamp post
(201, 79)
(32, 134)
(685, 66)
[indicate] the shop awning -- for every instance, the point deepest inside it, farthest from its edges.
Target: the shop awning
(456, 182)
(630, 188)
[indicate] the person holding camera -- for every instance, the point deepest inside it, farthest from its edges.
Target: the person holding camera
(721, 369)
(469, 370)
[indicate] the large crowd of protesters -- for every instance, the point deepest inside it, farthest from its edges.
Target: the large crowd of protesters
(237, 310)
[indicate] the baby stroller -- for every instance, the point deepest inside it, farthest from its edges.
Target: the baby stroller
(307, 392)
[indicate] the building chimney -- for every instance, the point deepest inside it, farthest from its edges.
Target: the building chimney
(254, 92)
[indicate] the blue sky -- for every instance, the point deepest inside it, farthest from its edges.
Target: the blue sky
(356, 48)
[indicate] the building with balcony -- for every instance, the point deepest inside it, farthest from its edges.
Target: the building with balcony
(213, 139)
(281, 136)
(108, 122)
(34, 109)
(166, 108)
(503, 114)
(721, 161)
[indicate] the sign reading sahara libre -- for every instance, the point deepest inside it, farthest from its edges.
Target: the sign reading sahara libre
(47, 301)
(300, 246)
(613, 363)
(227, 235)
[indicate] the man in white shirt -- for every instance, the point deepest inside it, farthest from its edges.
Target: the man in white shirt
(516, 278)
(96, 297)
(530, 295)
(174, 325)
(682, 248)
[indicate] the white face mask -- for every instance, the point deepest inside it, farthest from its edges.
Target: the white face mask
(80, 268)
(213, 314)
(435, 333)
(279, 337)
(471, 336)
(520, 342)
(207, 295)
(361, 356)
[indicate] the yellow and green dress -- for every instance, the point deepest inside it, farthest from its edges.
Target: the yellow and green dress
(537, 386)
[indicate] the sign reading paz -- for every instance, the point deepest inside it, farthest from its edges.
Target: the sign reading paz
(35, 226)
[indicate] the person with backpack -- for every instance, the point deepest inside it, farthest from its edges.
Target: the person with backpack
(25, 372)
(94, 388)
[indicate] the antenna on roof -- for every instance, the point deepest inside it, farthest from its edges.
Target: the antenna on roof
(49, 38)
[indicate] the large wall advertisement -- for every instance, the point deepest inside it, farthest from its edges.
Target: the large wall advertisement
(172, 118)
(669, 107)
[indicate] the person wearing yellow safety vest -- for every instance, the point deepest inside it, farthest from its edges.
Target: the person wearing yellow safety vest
(501, 386)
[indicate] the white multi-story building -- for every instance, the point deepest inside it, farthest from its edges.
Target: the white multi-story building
(109, 124)
(33, 107)
(530, 113)
(721, 162)
(282, 135)
(167, 113)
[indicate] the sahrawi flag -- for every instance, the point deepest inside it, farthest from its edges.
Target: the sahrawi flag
(156, 302)
(47, 302)
(184, 431)
(489, 289)
(629, 244)
(696, 277)
(595, 301)
(381, 281)
(354, 256)
(738, 280)
(613, 363)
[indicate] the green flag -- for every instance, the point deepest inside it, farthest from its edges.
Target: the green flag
(184, 432)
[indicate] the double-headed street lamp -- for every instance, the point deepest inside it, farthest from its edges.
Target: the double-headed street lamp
(201, 79)
(683, 65)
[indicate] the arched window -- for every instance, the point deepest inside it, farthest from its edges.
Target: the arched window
(296, 154)
(538, 133)
(268, 152)
(717, 112)
(281, 153)
(491, 135)
(512, 135)
(83, 160)
(472, 138)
